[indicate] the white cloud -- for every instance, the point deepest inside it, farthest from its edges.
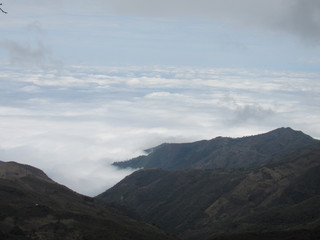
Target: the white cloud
(30, 88)
(162, 95)
(75, 124)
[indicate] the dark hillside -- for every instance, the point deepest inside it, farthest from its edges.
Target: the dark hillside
(174, 201)
(32, 206)
(313, 234)
(282, 195)
(221, 152)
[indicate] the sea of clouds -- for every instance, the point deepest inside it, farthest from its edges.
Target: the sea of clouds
(75, 122)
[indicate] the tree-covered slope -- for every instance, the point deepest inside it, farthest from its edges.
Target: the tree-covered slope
(283, 195)
(222, 152)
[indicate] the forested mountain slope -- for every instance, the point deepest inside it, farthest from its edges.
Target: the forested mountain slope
(223, 152)
(196, 204)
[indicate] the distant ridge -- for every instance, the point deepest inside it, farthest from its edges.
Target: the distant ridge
(222, 152)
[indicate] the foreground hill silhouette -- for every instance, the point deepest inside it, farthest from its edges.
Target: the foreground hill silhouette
(274, 195)
(32, 206)
(222, 152)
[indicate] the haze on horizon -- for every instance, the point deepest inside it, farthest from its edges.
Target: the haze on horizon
(87, 83)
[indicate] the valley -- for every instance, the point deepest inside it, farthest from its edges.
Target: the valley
(257, 187)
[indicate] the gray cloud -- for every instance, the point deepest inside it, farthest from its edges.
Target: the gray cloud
(297, 17)
(25, 54)
(303, 19)
(32, 53)
(251, 113)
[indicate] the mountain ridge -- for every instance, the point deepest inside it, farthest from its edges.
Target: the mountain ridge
(222, 152)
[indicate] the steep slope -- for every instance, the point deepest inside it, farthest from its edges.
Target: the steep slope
(174, 201)
(195, 204)
(223, 152)
(32, 206)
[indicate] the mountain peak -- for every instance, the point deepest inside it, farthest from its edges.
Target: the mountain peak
(13, 170)
(288, 130)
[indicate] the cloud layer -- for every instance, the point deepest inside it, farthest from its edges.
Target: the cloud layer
(75, 124)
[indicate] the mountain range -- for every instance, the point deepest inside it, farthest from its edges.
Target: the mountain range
(262, 187)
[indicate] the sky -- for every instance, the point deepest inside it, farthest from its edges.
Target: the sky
(86, 83)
